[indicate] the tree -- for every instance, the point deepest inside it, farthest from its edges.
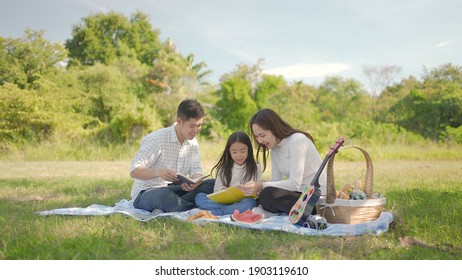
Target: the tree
(143, 39)
(24, 60)
(111, 39)
(102, 38)
(235, 106)
(442, 77)
(173, 78)
(341, 100)
(22, 116)
(379, 78)
(295, 101)
(393, 94)
(237, 96)
(268, 87)
(173, 73)
(433, 107)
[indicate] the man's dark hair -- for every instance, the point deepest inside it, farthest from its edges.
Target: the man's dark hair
(190, 109)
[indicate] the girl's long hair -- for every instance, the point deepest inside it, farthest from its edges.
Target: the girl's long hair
(268, 119)
(225, 163)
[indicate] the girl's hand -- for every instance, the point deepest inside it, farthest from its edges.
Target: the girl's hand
(251, 187)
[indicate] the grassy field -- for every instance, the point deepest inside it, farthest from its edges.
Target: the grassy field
(425, 197)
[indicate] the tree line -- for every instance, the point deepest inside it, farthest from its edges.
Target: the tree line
(114, 80)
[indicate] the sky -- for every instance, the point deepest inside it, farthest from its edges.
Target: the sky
(303, 40)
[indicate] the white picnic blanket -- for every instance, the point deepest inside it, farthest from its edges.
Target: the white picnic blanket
(280, 222)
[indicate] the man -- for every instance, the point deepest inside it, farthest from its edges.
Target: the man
(164, 154)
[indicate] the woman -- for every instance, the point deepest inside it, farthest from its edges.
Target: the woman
(294, 162)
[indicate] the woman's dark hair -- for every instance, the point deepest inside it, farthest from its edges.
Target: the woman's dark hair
(225, 163)
(268, 119)
(190, 109)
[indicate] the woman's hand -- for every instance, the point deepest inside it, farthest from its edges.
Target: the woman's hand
(251, 187)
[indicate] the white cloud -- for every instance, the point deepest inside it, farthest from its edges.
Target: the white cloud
(443, 44)
(448, 42)
(304, 70)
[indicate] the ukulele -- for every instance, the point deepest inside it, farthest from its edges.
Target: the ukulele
(301, 211)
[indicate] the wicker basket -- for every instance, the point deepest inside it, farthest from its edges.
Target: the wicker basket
(346, 211)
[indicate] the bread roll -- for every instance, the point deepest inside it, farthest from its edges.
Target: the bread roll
(343, 195)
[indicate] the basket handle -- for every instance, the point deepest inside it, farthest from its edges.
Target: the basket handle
(368, 186)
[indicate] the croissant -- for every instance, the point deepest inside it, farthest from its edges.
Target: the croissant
(202, 214)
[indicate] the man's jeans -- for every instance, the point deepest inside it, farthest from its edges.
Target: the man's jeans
(171, 198)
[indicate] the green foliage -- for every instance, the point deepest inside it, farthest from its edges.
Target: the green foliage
(236, 101)
(269, 86)
(174, 78)
(122, 83)
(143, 38)
(452, 134)
(114, 104)
(103, 38)
(103, 103)
(245, 90)
(24, 60)
(98, 103)
(341, 100)
(380, 133)
(432, 107)
(236, 106)
(393, 94)
(295, 104)
(24, 117)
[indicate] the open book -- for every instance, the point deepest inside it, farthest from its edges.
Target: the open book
(185, 179)
(229, 195)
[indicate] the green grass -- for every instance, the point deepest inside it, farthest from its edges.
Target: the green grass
(424, 195)
(212, 149)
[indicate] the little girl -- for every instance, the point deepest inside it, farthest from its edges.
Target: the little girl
(235, 167)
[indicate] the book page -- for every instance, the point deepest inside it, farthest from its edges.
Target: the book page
(185, 179)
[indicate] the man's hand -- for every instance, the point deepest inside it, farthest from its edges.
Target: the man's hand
(167, 174)
(147, 173)
(189, 187)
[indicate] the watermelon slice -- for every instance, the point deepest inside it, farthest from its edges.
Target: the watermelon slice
(248, 217)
